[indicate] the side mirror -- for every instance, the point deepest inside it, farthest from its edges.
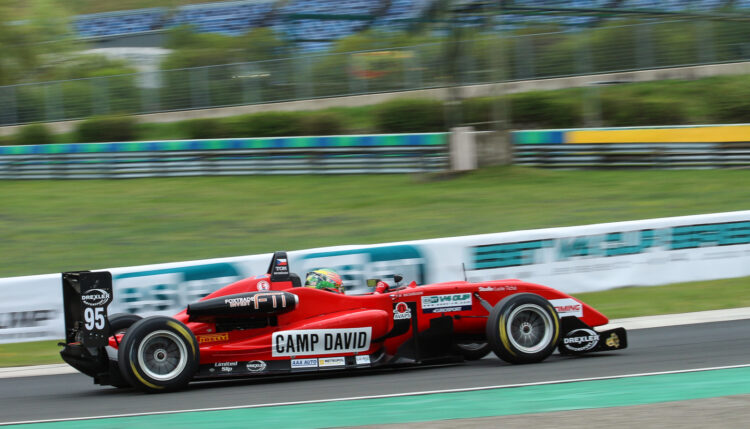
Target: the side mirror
(397, 278)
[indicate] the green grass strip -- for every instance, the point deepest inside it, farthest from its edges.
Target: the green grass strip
(459, 405)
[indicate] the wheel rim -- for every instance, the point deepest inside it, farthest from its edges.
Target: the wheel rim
(163, 355)
(529, 328)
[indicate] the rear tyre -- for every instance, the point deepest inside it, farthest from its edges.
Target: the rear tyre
(158, 354)
(472, 350)
(523, 328)
(119, 323)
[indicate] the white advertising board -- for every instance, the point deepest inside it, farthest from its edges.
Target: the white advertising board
(572, 259)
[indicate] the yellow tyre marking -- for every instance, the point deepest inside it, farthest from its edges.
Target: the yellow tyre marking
(141, 379)
(504, 336)
(184, 333)
(557, 326)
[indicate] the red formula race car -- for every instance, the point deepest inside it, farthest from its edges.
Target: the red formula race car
(270, 325)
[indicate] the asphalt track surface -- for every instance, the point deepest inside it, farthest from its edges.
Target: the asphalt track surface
(650, 350)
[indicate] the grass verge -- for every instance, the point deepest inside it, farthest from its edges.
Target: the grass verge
(617, 303)
(54, 226)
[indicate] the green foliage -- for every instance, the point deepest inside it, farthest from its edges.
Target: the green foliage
(322, 124)
(729, 100)
(546, 109)
(623, 111)
(191, 49)
(415, 115)
(206, 128)
(268, 124)
(106, 129)
(34, 134)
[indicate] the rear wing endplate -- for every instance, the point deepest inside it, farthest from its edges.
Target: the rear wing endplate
(86, 296)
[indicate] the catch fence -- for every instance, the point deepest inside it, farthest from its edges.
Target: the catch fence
(483, 59)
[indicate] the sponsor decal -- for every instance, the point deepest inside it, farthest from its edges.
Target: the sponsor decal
(363, 360)
(496, 288)
(225, 366)
(276, 299)
(281, 267)
(581, 340)
(446, 303)
(212, 338)
(320, 341)
(263, 285)
(401, 295)
(256, 366)
(331, 361)
(401, 311)
(95, 297)
(25, 319)
(305, 363)
(613, 341)
(610, 244)
(567, 307)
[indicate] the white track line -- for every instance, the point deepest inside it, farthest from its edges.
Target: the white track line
(394, 395)
(632, 323)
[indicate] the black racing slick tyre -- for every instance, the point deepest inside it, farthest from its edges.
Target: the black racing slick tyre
(472, 350)
(523, 328)
(158, 354)
(118, 324)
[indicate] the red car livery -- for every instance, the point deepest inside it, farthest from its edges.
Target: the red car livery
(268, 324)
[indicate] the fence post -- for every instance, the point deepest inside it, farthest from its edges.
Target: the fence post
(524, 57)
(151, 82)
(52, 103)
(100, 100)
(644, 46)
(303, 87)
(463, 149)
(8, 105)
(705, 39)
(592, 115)
(198, 87)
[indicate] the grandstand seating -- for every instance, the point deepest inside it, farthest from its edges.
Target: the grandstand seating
(237, 17)
(231, 18)
(116, 23)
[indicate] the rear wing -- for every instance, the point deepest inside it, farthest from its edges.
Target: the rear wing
(86, 296)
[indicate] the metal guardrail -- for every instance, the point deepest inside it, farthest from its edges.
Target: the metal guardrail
(396, 153)
(641, 155)
(225, 162)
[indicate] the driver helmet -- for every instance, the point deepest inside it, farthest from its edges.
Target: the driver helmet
(325, 279)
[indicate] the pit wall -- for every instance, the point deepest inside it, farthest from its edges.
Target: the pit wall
(573, 259)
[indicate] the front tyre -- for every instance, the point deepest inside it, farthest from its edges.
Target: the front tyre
(158, 354)
(523, 328)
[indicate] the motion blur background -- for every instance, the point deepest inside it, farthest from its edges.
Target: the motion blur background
(635, 110)
(66, 61)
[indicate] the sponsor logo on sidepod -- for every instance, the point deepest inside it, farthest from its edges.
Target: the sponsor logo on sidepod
(256, 366)
(304, 342)
(211, 338)
(581, 340)
(95, 297)
(401, 311)
(567, 307)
